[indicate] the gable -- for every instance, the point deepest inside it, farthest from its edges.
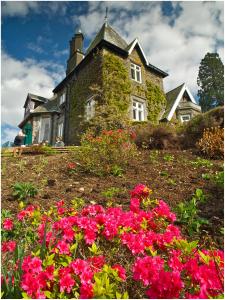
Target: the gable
(176, 96)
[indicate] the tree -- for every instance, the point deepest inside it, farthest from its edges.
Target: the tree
(211, 82)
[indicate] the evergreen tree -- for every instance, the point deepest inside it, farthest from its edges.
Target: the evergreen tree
(211, 82)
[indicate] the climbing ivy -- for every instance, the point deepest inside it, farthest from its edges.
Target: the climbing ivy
(156, 101)
(113, 96)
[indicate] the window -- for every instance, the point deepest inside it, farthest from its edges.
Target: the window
(90, 109)
(60, 130)
(62, 98)
(136, 72)
(138, 110)
(185, 118)
(44, 130)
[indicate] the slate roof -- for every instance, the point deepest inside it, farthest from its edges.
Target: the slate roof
(37, 98)
(109, 37)
(171, 97)
(48, 107)
(108, 34)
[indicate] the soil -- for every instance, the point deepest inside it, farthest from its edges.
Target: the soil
(173, 181)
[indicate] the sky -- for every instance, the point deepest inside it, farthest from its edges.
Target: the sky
(35, 36)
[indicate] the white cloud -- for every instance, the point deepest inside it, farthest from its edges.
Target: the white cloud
(34, 47)
(18, 8)
(23, 8)
(21, 77)
(8, 134)
(176, 48)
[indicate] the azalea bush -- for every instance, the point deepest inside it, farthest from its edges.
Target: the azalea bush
(107, 153)
(97, 252)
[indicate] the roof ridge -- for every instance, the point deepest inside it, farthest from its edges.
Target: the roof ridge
(179, 86)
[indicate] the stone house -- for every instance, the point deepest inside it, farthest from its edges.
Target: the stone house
(73, 100)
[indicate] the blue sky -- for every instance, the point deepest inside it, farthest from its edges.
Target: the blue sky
(175, 37)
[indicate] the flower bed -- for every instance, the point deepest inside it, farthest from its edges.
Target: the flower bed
(106, 253)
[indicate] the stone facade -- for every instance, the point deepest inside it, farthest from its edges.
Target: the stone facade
(78, 93)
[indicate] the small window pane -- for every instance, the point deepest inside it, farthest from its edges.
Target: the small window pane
(134, 114)
(132, 74)
(140, 116)
(138, 76)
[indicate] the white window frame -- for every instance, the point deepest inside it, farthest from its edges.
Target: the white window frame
(184, 116)
(138, 110)
(43, 123)
(62, 98)
(60, 129)
(137, 70)
(90, 108)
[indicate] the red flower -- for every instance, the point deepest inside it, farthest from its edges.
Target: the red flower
(66, 283)
(71, 166)
(9, 246)
(63, 247)
(121, 271)
(8, 224)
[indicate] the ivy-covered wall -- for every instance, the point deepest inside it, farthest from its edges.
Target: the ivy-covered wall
(79, 92)
(107, 77)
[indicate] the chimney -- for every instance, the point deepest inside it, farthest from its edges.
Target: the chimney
(76, 51)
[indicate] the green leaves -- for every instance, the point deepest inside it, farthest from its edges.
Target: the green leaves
(94, 249)
(24, 190)
(211, 81)
(107, 284)
(187, 212)
(185, 246)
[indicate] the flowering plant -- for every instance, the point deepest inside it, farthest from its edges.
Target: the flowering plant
(99, 252)
(100, 154)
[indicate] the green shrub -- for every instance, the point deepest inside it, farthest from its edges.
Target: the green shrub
(201, 162)
(24, 190)
(218, 179)
(212, 142)
(187, 213)
(107, 153)
(193, 130)
(111, 192)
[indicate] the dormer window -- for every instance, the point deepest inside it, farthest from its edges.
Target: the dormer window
(90, 109)
(135, 72)
(185, 118)
(62, 98)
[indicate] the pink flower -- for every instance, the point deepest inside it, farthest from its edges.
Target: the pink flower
(79, 265)
(66, 283)
(63, 247)
(8, 224)
(9, 246)
(167, 285)
(68, 234)
(135, 205)
(163, 210)
(86, 291)
(96, 262)
(60, 203)
(33, 265)
(121, 271)
(140, 191)
(21, 215)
